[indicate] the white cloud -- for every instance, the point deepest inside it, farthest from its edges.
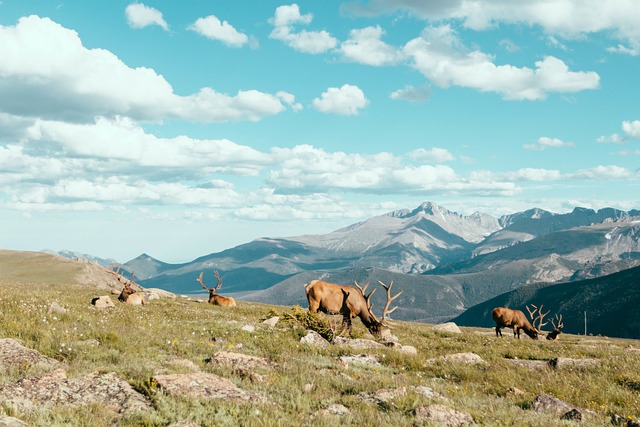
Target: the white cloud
(48, 73)
(439, 55)
(631, 130)
(546, 142)
(347, 100)
(434, 155)
(314, 42)
(412, 94)
(366, 47)
(567, 18)
(212, 28)
(305, 170)
(140, 16)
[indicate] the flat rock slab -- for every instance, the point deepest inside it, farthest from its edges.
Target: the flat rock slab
(7, 421)
(242, 361)
(203, 385)
(560, 408)
(443, 416)
(55, 389)
(14, 355)
(356, 343)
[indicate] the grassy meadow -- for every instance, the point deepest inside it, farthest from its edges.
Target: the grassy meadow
(138, 342)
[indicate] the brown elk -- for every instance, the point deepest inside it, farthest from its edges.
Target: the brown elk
(557, 328)
(350, 302)
(515, 318)
(214, 298)
(128, 294)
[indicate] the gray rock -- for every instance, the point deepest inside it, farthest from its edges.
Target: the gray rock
(204, 386)
(447, 327)
(55, 389)
(443, 416)
(14, 355)
(7, 421)
(56, 308)
(314, 339)
(103, 302)
(272, 321)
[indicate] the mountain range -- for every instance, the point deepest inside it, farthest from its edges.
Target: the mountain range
(445, 263)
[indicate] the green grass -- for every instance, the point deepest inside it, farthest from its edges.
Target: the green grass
(137, 342)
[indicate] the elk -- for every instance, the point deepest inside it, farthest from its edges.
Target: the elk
(507, 317)
(350, 302)
(128, 294)
(557, 328)
(214, 298)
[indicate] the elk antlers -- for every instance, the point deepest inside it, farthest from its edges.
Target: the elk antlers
(218, 286)
(537, 316)
(386, 310)
(119, 277)
(560, 325)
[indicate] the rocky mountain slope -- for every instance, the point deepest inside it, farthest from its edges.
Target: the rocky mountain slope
(446, 262)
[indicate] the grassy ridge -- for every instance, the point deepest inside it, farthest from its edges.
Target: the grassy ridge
(137, 342)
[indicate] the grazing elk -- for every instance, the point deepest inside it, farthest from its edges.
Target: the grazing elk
(128, 294)
(515, 318)
(214, 298)
(350, 302)
(557, 328)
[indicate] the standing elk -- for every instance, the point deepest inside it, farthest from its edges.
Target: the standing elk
(128, 294)
(214, 298)
(515, 318)
(557, 328)
(350, 302)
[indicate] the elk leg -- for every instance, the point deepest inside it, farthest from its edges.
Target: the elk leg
(498, 331)
(516, 331)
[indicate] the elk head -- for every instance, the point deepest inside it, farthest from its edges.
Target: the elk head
(383, 321)
(128, 294)
(557, 328)
(537, 317)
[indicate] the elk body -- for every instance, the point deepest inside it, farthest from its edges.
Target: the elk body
(505, 317)
(214, 298)
(350, 302)
(128, 294)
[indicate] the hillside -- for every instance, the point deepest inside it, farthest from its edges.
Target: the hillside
(184, 361)
(610, 302)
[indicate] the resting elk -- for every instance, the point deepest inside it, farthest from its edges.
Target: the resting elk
(214, 298)
(128, 294)
(505, 317)
(350, 302)
(557, 328)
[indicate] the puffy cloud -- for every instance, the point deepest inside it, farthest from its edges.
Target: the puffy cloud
(213, 29)
(140, 16)
(546, 142)
(366, 47)
(440, 56)
(567, 18)
(286, 17)
(347, 100)
(631, 130)
(305, 170)
(48, 73)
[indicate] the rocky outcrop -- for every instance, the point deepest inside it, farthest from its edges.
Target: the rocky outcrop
(204, 386)
(56, 389)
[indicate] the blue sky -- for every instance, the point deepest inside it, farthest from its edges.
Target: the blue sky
(185, 128)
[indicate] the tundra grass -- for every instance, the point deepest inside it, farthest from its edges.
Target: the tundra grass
(139, 342)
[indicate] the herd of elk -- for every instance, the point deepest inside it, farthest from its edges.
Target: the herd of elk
(214, 298)
(350, 302)
(506, 317)
(128, 294)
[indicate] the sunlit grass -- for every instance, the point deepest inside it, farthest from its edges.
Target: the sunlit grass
(138, 342)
